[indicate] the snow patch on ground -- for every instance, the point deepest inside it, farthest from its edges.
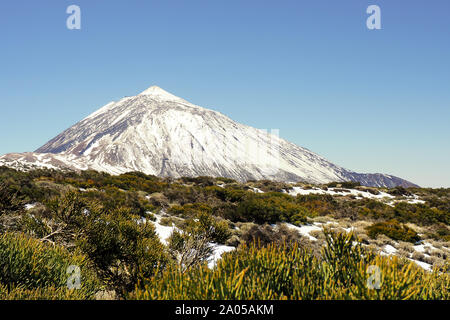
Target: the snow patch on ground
(419, 248)
(30, 206)
(256, 190)
(164, 233)
(306, 229)
(389, 249)
(218, 250)
(339, 191)
(423, 265)
(413, 199)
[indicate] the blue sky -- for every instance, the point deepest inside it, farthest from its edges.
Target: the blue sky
(368, 100)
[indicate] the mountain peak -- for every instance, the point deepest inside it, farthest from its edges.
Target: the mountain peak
(159, 93)
(160, 134)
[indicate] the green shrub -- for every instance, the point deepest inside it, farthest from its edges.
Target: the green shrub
(191, 246)
(343, 184)
(113, 198)
(318, 204)
(8, 200)
(440, 232)
(287, 272)
(420, 214)
(404, 212)
(204, 223)
(47, 293)
(399, 191)
(350, 184)
(121, 248)
(189, 210)
(394, 230)
(19, 185)
(202, 181)
(266, 234)
(29, 264)
(269, 208)
(343, 257)
(234, 194)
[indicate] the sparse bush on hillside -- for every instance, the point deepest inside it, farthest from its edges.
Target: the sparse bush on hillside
(20, 186)
(269, 208)
(231, 194)
(204, 223)
(190, 249)
(266, 234)
(269, 185)
(399, 191)
(318, 204)
(404, 212)
(201, 181)
(394, 230)
(182, 195)
(371, 190)
(189, 210)
(8, 200)
(350, 184)
(343, 184)
(420, 214)
(440, 232)
(190, 245)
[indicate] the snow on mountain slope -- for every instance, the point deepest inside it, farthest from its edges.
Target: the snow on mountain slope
(158, 133)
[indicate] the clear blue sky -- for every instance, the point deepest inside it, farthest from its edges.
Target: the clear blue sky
(368, 100)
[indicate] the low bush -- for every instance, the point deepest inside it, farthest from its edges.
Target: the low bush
(8, 200)
(440, 232)
(190, 245)
(122, 248)
(48, 293)
(399, 191)
(217, 229)
(318, 204)
(269, 208)
(27, 264)
(189, 210)
(201, 181)
(417, 213)
(273, 272)
(394, 230)
(266, 234)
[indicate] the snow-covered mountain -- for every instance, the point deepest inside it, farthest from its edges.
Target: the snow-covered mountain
(158, 133)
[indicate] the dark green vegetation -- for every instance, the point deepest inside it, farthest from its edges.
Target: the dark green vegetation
(101, 223)
(393, 230)
(32, 268)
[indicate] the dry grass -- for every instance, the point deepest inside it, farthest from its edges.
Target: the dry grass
(406, 246)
